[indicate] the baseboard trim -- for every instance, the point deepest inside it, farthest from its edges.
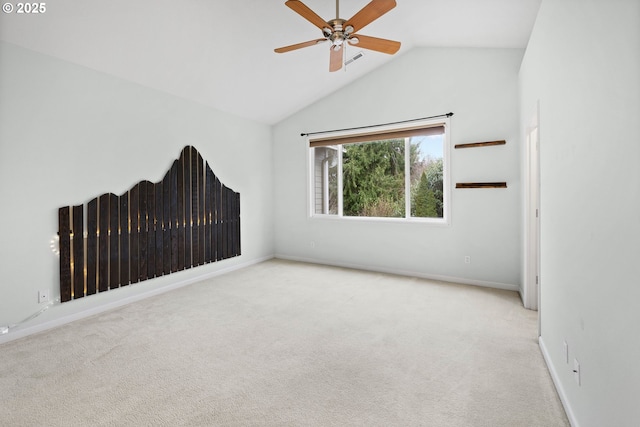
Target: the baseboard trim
(410, 273)
(558, 384)
(63, 320)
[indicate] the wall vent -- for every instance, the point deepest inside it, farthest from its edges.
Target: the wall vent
(354, 58)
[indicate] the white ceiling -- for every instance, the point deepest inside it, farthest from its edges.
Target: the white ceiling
(220, 53)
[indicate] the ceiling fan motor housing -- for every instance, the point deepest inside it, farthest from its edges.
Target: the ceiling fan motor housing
(338, 33)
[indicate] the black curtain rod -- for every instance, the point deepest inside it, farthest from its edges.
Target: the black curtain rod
(382, 124)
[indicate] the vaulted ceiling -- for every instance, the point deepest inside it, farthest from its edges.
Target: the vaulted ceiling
(220, 53)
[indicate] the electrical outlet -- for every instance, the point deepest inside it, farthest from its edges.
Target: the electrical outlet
(467, 259)
(566, 352)
(43, 296)
(576, 371)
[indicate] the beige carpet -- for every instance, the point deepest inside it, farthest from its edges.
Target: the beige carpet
(289, 344)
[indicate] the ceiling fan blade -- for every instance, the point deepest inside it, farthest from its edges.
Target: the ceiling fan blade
(335, 59)
(299, 45)
(374, 10)
(306, 13)
(373, 43)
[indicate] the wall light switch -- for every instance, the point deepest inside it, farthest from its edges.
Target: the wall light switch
(566, 352)
(576, 371)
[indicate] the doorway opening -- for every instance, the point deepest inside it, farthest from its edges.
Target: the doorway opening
(532, 279)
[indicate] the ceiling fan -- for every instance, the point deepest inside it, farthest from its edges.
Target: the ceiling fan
(338, 32)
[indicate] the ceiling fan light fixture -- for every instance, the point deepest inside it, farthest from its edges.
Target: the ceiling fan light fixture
(337, 38)
(353, 40)
(348, 29)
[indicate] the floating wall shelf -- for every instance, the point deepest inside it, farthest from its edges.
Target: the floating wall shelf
(481, 185)
(480, 144)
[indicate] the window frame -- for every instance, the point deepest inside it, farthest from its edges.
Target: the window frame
(380, 131)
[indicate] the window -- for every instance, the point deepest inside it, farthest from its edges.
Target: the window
(384, 172)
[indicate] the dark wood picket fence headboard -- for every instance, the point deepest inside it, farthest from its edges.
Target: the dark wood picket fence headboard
(186, 220)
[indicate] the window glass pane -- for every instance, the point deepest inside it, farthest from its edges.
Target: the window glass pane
(373, 178)
(427, 156)
(395, 172)
(325, 180)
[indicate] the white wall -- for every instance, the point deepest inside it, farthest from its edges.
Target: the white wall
(480, 87)
(583, 65)
(68, 134)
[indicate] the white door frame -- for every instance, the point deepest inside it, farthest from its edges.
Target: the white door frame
(531, 288)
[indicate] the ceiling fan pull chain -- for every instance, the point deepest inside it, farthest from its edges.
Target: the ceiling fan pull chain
(344, 55)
